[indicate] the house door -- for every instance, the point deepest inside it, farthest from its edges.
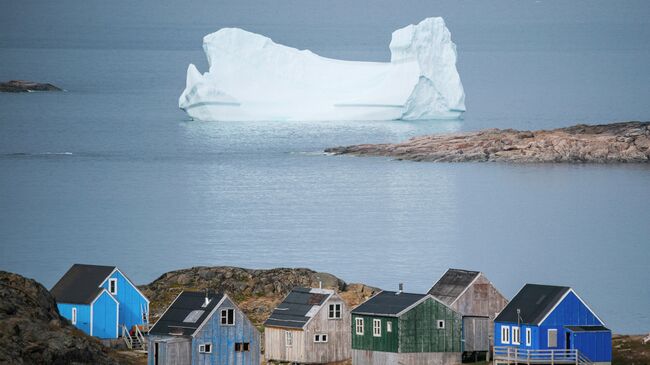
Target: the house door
(155, 353)
(568, 339)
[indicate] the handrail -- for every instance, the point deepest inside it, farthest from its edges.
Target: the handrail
(127, 337)
(140, 337)
(509, 354)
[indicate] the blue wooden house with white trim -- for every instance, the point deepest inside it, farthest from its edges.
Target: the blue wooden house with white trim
(203, 329)
(544, 321)
(100, 300)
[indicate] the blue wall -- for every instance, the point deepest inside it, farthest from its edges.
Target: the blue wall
(83, 314)
(105, 317)
(597, 346)
(223, 339)
(131, 301)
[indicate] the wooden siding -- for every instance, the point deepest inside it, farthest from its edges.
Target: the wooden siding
(223, 339)
(171, 350)
(365, 357)
(105, 317)
(83, 315)
(418, 330)
(476, 334)
(387, 342)
(132, 303)
(304, 349)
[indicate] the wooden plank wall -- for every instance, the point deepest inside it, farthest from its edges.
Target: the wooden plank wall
(365, 357)
(419, 333)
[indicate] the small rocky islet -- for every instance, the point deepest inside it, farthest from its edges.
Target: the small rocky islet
(22, 86)
(625, 142)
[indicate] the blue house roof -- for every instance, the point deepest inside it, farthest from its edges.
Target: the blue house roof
(81, 283)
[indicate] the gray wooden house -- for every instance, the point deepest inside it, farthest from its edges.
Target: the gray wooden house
(405, 328)
(206, 329)
(310, 326)
(471, 294)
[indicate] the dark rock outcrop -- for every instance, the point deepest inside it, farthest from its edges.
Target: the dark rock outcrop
(607, 143)
(33, 332)
(19, 86)
(256, 291)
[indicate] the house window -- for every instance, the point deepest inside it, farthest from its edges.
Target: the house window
(242, 346)
(228, 317)
(389, 326)
(206, 348)
(529, 337)
(288, 337)
(515, 335)
(322, 338)
(358, 324)
(552, 338)
(112, 286)
(376, 327)
(505, 334)
(441, 324)
(335, 311)
(74, 316)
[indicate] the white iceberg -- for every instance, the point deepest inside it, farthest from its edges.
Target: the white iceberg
(251, 78)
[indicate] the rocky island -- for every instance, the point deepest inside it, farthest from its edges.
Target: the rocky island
(605, 143)
(21, 86)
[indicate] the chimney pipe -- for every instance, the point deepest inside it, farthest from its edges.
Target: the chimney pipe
(401, 288)
(207, 300)
(320, 284)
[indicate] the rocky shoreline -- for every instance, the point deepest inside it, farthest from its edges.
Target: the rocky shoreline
(21, 86)
(605, 143)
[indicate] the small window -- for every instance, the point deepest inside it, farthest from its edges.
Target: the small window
(74, 316)
(288, 337)
(529, 337)
(206, 348)
(242, 346)
(441, 324)
(516, 338)
(358, 324)
(376, 327)
(194, 316)
(389, 326)
(321, 338)
(552, 338)
(228, 317)
(112, 286)
(335, 311)
(505, 334)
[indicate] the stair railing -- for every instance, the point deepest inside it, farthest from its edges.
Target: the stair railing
(140, 336)
(127, 337)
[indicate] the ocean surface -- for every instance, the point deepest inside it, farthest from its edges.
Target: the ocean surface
(112, 172)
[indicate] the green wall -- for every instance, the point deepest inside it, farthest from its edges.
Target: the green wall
(419, 332)
(387, 342)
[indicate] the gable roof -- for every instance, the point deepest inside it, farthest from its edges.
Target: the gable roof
(389, 303)
(453, 284)
(80, 284)
(298, 307)
(535, 301)
(186, 314)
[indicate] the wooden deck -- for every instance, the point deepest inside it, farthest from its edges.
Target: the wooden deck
(513, 355)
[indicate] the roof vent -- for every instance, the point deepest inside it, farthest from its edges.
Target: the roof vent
(401, 289)
(206, 301)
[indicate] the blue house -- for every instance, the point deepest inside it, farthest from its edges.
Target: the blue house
(206, 329)
(545, 317)
(100, 300)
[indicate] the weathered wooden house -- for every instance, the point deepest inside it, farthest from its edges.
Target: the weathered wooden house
(206, 329)
(550, 324)
(405, 328)
(310, 326)
(473, 295)
(100, 300)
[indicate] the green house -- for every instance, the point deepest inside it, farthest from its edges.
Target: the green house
(397, 327)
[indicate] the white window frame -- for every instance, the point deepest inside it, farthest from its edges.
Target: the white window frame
(225, 310)
(358, 323)
(505, 334)
(529, 337)
(376, 327)
(548, 338)
(516, 335)
(440, 324)
(334, 311)
(389, 326)
(73, 320)
(320, 338)
(288, 339)
(112, 286)
(202, 349)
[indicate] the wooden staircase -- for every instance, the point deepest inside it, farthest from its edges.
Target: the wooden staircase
(137, 341)
(514, 355)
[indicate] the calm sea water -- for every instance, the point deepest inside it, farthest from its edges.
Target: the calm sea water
(111, 172)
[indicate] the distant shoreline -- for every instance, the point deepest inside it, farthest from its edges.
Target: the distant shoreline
(626, 142)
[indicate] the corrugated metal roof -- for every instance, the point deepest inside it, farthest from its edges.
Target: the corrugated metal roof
(388, 303)
(298, 307)
(452, 284)
(534, 301)
(80, 284)
(177, 320)
(587, 328)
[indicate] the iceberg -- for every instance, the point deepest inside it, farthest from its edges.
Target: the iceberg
(252, 78)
